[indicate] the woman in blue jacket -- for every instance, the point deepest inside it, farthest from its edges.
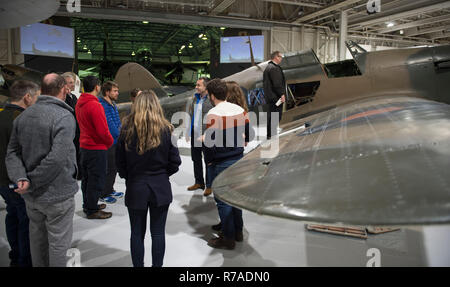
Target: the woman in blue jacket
(146, 157)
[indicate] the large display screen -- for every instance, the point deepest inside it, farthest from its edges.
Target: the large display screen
(47, 40)
(237, 49)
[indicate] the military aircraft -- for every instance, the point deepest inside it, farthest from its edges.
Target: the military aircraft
(10, 73)
(366, 142)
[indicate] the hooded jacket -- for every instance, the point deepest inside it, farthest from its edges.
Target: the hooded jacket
(41, 150)
(94, 131)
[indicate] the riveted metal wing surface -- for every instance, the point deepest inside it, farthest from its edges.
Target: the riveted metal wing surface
(379, 161)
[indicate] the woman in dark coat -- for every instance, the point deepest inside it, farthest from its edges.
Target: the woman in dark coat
(146, 157)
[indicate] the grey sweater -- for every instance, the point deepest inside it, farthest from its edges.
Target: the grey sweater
(41, 150)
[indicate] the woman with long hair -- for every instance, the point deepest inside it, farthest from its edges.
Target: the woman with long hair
(236, 96)
(145, 158)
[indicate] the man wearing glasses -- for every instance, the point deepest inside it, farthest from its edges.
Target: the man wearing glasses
(274, 90)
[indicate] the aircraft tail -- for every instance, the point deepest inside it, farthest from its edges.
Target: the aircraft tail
(131, 76)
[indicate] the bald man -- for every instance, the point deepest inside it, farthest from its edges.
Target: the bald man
(41, 161)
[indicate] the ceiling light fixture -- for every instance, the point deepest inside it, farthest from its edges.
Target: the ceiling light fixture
(144, 22)
(190, 46)
(390, 24)
(84, 47)
(133, 54)
(89, 52)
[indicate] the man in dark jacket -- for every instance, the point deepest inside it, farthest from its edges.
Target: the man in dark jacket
(95, 140)
(23, 94)
(41, 161)
(274, 90)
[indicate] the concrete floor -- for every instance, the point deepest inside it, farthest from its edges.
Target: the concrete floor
(268, 241)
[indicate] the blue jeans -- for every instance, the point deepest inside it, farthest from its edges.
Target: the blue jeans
(138, 222)
(209, 175)
(230, 217)
(17, 228)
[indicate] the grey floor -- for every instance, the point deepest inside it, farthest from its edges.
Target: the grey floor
(267, 242)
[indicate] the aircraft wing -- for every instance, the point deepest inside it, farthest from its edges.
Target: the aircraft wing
(381, 161)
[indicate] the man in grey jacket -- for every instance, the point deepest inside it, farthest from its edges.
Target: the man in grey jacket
(41, 159)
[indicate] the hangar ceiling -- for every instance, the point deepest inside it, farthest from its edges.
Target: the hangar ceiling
(422, 21)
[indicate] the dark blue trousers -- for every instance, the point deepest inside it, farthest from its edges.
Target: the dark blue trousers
(17, 228)
(93, 166)
(196, 155)
(138, 222)
(230, 217)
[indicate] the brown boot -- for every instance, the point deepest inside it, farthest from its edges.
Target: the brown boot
(100, 215)
(196, 186)
(222, 243)
(207, 192)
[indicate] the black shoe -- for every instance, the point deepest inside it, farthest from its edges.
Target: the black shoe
(222, 243)
(217, 227)
(238, 236)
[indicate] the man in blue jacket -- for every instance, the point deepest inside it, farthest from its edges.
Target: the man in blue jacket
(198, 109)
(110, 92)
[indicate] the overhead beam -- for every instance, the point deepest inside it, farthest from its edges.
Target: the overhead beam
(177, 3)
(405, 14)
(298, 3)
(440, 35)
(222, 6)
(416, 31)
(328, 9)
(418, 23)
(133, 15)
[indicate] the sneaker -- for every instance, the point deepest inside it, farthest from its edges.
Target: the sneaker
(108, 199)
(117, 194)
(222, 243)
(207, 192)
(100, 215)
(217, 227)
(196, 186)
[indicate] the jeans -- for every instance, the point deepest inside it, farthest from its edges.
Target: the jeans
(111, 172)
(230, 217)
(196, 155)
(138, 222)
(93, 165)
(17, 228)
